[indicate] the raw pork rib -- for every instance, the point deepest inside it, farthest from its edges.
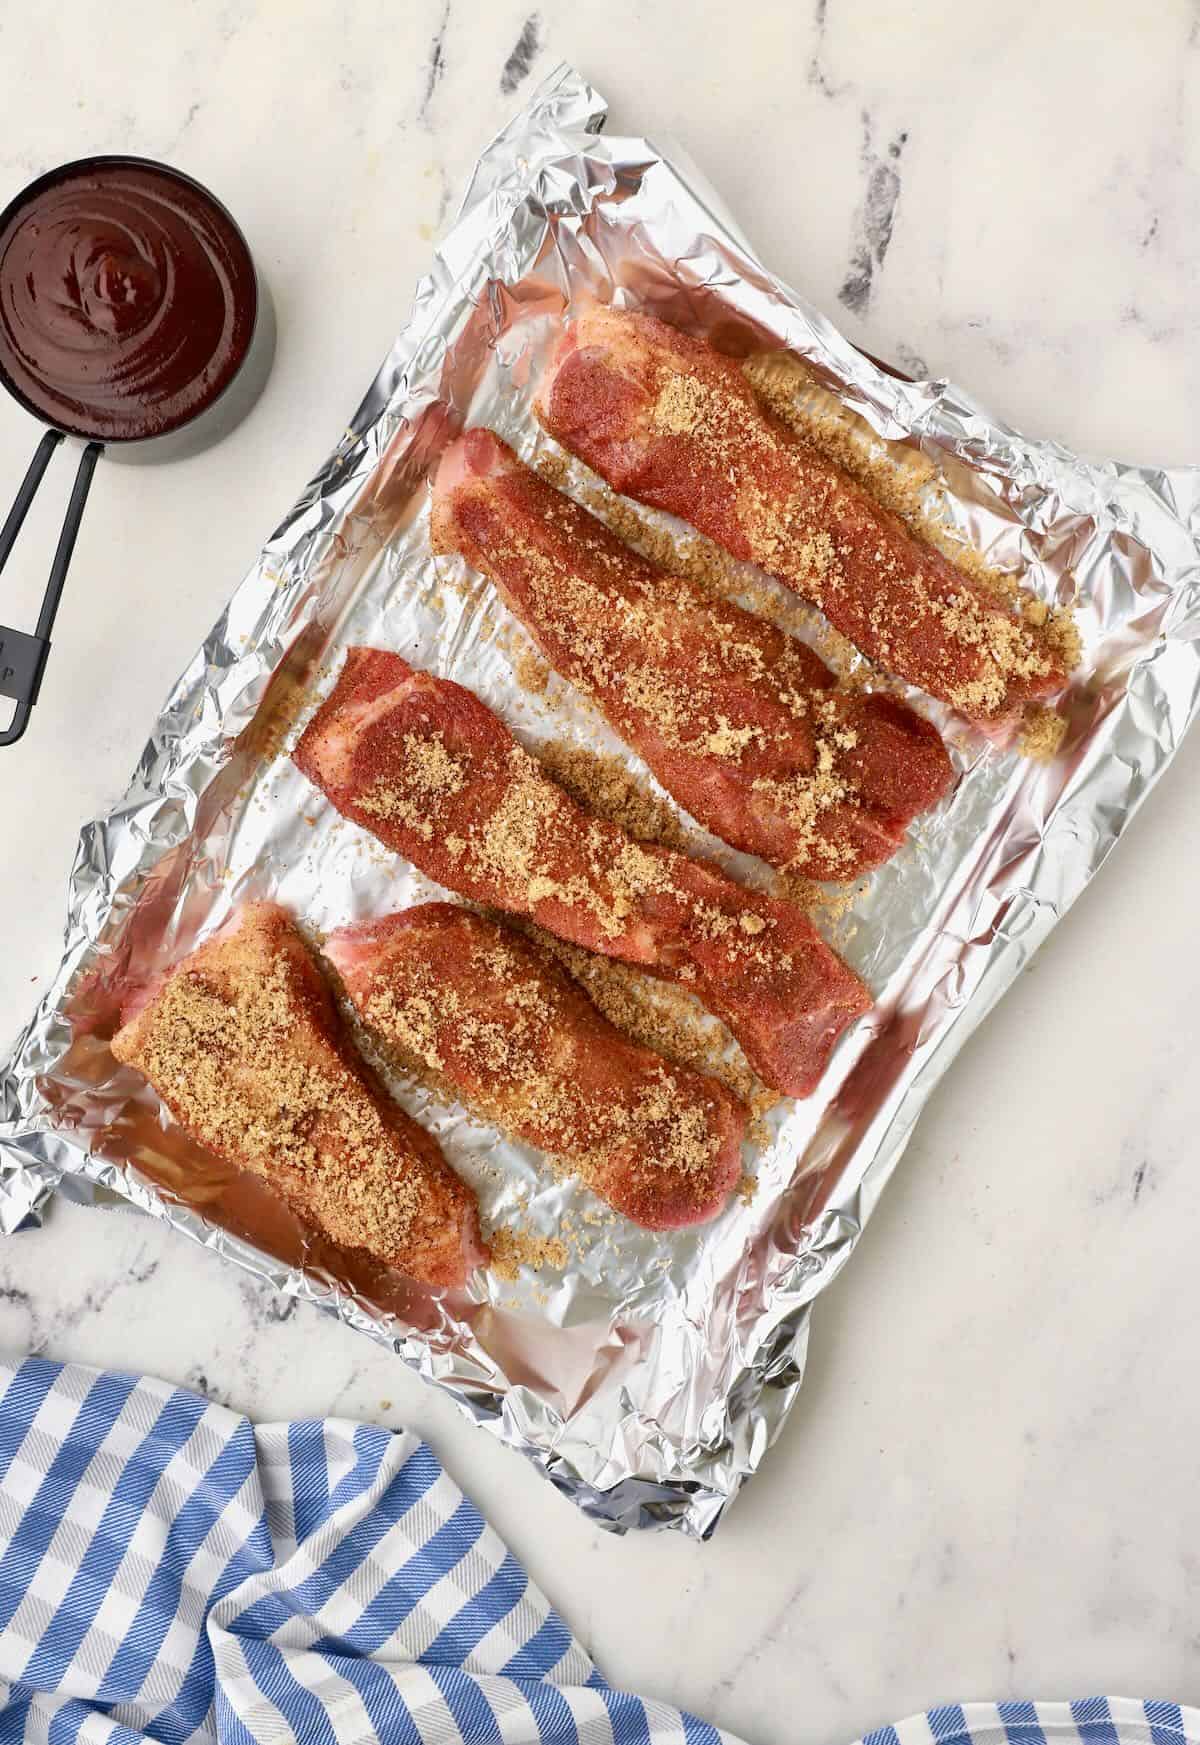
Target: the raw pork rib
(474, 1006)
(668, 420)
(243, 1043)
(428, 767)
(742, 723)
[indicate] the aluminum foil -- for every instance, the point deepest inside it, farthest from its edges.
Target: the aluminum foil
(648, 1377)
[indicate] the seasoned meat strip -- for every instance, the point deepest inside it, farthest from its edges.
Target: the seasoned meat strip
(473, 1006)
(742, 723)
(668, 420)
(243, 1043)
(438, 777)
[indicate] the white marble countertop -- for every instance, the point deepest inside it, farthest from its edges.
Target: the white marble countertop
(988, 1487)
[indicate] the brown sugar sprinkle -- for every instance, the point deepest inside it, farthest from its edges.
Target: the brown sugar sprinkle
(430, 767)
(532, 673)
(1062, 632)
(802, 800)
(581, 1230)
(522, 1080)
(907, 484)
(606, 787)
(691, 555)
(817, 899)
(665, 1018)
(454, 577)
(682, 705)
(699, 561)
(411, 1026)
(898, 478)
(513, 847)
(603, 785)
(680, 405)
(687, 1146)
(227, 1067)
(430, 773)
(509, 846)
(1041, 733)
(728, 741)
(553, 466)
(514, 1248)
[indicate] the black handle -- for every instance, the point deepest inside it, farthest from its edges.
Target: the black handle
(22, 656)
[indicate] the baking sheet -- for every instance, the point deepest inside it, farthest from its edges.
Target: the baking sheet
(649, 1375)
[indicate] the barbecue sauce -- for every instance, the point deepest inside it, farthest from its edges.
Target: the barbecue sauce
(127, 299)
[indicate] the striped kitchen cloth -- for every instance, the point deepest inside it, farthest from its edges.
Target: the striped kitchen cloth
(170, 1571)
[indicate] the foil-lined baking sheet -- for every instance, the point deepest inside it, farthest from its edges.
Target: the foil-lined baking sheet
(649, 1374)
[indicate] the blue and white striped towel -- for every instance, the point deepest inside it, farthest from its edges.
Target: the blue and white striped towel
(170, 1571)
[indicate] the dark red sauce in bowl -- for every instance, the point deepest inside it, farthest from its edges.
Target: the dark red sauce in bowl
(128, 299)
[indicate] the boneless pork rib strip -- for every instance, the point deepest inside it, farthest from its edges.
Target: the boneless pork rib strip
(243, 1043)
(473, 1006)
(668, 420)
(742, 723)
(438, 777)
